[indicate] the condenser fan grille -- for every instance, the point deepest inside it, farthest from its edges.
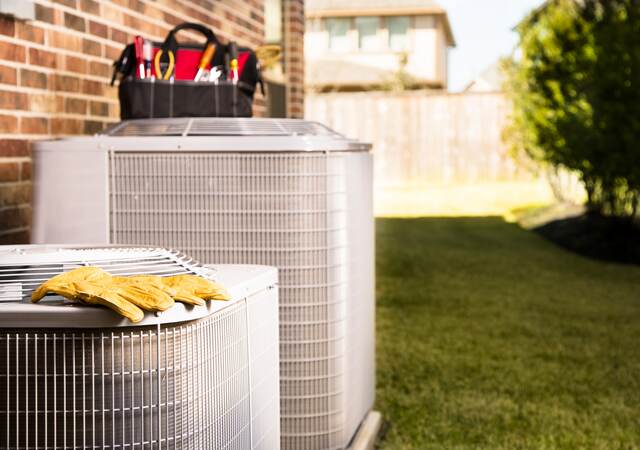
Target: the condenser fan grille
(212, 126)
(303, 213)
(126, 389)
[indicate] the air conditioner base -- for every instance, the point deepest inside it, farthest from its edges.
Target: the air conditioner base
(365, 438)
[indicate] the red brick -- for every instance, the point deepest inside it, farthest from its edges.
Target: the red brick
(142, 25)
(118, 36)
(8, 124)
(92, 87)
(9, 171)
(173, 20)
(15, 194)
(33, 79)
(42, 58)
(112, 52)
(67, 83)
(93, 127)
(74, 64)
(75, 105)
(100, 69)
(25, 172)
(69, 3)
(99, 109)
(13, 100)
(90, 6)
(14, 147)
(15, 218)
(34, 125)
(43, 13)
(11, 52)
(91, 47)
(17, 237)
(58, 17)
(74, 22)
(7, 75)
(66, 126)
(98, 29)
(30, 33)
(7, 26)
(64, 40)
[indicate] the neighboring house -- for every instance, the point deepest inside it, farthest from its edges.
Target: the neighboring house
(491, 79)
(354, 45)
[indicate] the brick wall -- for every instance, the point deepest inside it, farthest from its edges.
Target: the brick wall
(55, 73)
(293, 64)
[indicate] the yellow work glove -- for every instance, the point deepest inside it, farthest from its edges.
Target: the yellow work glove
(146, 292)
(192, 287)
(128, 296)
(62, 284)
(109, 295)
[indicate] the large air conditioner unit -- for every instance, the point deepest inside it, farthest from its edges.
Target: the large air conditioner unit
(287, 193)
(78, 377)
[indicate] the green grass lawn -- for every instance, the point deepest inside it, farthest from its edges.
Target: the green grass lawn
(490, 337)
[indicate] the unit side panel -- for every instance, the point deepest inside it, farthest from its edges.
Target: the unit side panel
(70, 197)
(360, 375)
(262, 310)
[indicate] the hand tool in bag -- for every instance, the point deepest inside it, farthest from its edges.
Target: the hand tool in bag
(168, 66)
(207, 56)
(139, 43)
(147, 52)
(233, 62)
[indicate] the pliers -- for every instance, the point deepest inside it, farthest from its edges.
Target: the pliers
(158, 66)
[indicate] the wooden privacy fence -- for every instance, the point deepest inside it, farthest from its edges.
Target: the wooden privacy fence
(421, 138)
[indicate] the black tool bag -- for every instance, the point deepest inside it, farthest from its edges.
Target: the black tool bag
(180, 96)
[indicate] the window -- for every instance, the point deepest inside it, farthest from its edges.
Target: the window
(368, 33)
(398, 27)
(273, 21)
(338, 29)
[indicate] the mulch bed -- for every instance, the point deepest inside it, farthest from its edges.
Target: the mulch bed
(596, 236)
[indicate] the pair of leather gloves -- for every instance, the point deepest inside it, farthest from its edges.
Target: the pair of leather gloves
(129, 296)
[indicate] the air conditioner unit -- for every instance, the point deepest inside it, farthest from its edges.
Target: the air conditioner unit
(287, 193)
(78, 377)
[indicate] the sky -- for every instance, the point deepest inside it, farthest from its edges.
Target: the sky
(483, 33)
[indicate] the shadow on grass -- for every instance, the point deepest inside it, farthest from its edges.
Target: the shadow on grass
(488, 336)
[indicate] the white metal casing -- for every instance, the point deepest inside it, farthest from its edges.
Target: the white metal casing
(261, 193)
(191, 377)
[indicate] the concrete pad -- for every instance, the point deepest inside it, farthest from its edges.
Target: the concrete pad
(365, 438)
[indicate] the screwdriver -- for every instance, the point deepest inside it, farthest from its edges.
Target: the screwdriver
(207, 56)
(138, 45)
(233, 61)
(147, 51)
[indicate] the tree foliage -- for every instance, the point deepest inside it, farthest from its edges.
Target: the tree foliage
(575, 86)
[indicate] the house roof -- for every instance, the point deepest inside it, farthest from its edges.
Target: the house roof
(490, 80)
(349, 73)
(345, 74)
(352, 8)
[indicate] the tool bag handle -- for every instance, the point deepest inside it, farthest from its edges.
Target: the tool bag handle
(170, 42)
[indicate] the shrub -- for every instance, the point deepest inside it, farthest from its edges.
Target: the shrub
(575, 87)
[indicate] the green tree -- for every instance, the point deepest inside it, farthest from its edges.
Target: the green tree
(575, 87)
